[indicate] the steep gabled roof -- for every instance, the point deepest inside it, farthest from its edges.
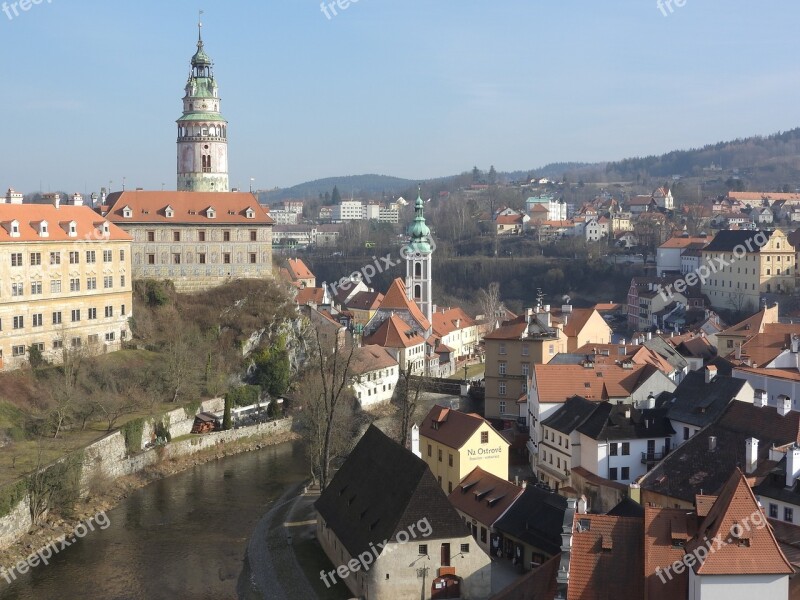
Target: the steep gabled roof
(729, 239)
(370, 358)
(380, 490)
(699, 403)
(600, 544)
(394, 333)
(298, 269)
(397, 299)
(666, 533)
(755, 551)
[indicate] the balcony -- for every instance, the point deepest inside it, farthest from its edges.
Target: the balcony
(649, 458)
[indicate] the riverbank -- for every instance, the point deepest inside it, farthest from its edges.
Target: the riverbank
(106, 496)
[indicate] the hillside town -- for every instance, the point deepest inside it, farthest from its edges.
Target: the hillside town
(455, 427)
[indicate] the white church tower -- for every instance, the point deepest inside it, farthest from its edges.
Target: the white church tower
(202, 131)
(419, 282)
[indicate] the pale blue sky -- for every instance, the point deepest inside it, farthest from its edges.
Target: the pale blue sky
(412, 88)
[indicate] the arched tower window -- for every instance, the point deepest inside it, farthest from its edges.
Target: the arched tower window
(417, 269)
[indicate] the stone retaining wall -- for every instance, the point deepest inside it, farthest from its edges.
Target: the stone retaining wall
(108, 457)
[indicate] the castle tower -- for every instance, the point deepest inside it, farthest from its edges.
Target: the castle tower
(202, 131)
(419, 281)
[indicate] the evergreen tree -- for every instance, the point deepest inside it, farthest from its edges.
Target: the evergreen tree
(336, 197)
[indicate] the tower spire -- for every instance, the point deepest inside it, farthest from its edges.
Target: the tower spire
(200, 30)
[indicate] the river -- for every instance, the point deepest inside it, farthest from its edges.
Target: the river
(180, 538)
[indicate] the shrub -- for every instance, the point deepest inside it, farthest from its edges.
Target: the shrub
(132, 431)
(244, 395)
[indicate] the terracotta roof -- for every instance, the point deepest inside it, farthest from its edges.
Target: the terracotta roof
(607, 307)
(751, 325)
(188, 207)
(396, 299)
(447, 321)
(509, 220)
(758, 196)
(310, 295)
(578, 319)
(370, 358)
(556, 383)
(757, 554)
(483, 496)
(298, 269)
(395, 333)
(600, 544)
(88, 224)
(666, 533)
(684, 242)
(450, 427)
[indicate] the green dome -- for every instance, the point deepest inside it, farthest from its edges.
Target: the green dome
(419, 230)
(200, 58)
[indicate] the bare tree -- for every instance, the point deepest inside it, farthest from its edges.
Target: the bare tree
(408, 392)
(182, 370)
(67, 392)
(326, 398)
(491, 305)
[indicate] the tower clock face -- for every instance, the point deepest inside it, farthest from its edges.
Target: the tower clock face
(418, 255)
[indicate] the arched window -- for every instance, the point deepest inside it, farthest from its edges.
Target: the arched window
(417, 269)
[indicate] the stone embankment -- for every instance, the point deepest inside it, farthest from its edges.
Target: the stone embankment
(109, 473)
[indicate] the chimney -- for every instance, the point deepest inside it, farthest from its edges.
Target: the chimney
(13, 197)
(77, 200)
(760, 398)
(528, 315)
(627, 412)
(57, 201)
(415, 440)
(784, 405)
(583, 505)
(712, 443)
(795, 343)
(750, 455)
(792, 464)
(649, 335)
(711, 373)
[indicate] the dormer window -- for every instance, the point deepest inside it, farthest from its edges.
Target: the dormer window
(250, 213)
(43, 231)
(211, 213)
(127, 212)
(14, 229)
(168, 212)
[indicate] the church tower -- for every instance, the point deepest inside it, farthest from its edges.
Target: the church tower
(419, 282)
(202, 131)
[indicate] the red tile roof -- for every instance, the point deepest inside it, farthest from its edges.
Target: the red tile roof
(309, 295)
(556, 383)
(299, 269)
(663, 527)
(395, 333)
(396, 299)
(755, 552)
(447, 321)
(450, 427)
(370, 358)
(598, 551)
(188, 207)
(577, 321)
(88, 224)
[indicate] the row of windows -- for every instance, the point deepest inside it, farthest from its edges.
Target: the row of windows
(620, 449)
(75, 342)
(624, 474)
(525, 349)
(35, 258)
(37, 319)
(548, 458)
(176, 258)
(788, 513)
(374, 391)
(202, 236)
(37, 287)
(551, 436)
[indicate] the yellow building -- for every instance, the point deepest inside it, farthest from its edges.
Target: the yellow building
(583, 326)
(453, 443)
(532, 338)
(739, 266)
(65, 282)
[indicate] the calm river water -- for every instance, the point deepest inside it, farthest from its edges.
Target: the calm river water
(181, 538)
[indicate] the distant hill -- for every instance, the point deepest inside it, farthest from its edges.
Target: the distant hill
(372, 185)
(763, 162)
